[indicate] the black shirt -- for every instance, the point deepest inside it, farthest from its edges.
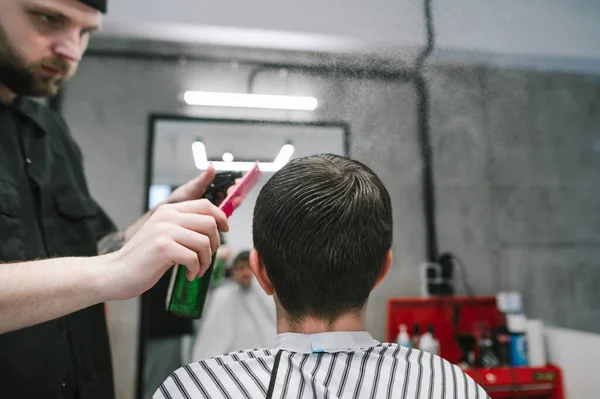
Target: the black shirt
(162, 324)
(46, 211)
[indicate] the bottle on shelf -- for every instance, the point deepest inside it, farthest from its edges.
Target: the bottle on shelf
(517, 326)
(486, 351)
(502, 345)
(428, 343)
(416, 337)
(467, 345)
(403, 337)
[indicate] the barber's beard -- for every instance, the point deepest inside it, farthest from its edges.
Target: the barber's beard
(21, 78)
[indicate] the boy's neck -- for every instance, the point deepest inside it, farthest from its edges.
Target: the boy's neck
(354, 321)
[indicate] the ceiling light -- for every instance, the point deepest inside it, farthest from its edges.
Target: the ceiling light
(284, 155)
(202, 162)
(199, 151)
(243, 100)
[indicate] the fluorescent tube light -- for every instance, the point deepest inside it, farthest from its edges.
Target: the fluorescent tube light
(199, 151)
(201, 160)
(243, 100)
(284, 155)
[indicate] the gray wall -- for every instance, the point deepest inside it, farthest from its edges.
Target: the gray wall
(517, 169)
(518, 185)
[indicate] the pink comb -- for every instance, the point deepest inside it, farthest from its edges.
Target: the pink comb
(236, 197)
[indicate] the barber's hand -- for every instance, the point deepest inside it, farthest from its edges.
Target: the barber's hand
(184, 233)
(195, 188)
(192, 190)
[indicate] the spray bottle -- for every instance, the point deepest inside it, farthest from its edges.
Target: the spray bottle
(186, 298)
(403, 337)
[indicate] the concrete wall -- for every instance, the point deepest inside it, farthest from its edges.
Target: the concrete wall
(540, 28)
(517, 166)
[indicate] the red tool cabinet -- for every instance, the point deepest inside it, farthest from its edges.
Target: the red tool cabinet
(451, 316)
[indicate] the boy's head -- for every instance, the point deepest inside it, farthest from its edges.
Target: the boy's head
(322, 234)
(240, 270)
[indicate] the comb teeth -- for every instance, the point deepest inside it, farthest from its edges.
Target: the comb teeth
(234, 199)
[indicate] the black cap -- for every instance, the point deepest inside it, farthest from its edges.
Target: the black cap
(99, 5)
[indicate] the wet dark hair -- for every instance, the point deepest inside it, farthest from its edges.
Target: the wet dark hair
(323, 226)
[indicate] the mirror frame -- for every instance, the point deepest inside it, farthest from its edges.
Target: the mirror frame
(152, 121)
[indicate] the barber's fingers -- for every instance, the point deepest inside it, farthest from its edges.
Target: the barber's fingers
(185, 257)
(202, 224)
(195, 188)
(198, 186)
(199, 207)
(199, 244)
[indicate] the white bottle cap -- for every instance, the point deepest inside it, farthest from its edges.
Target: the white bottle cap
(516, 323)
(509, 302)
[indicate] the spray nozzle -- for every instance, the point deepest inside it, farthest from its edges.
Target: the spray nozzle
(217, 190)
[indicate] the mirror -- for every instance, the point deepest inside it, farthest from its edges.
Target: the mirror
(172, 162)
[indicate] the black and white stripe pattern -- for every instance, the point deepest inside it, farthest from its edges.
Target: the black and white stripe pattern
(383, 371)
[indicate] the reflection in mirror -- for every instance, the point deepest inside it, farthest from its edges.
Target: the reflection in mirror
(180, 149)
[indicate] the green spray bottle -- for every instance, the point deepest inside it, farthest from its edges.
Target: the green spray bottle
(186, 298)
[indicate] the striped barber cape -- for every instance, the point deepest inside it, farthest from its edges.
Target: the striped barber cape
(325, 366)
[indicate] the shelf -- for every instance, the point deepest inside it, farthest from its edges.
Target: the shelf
(452, 316)
(519, 382)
